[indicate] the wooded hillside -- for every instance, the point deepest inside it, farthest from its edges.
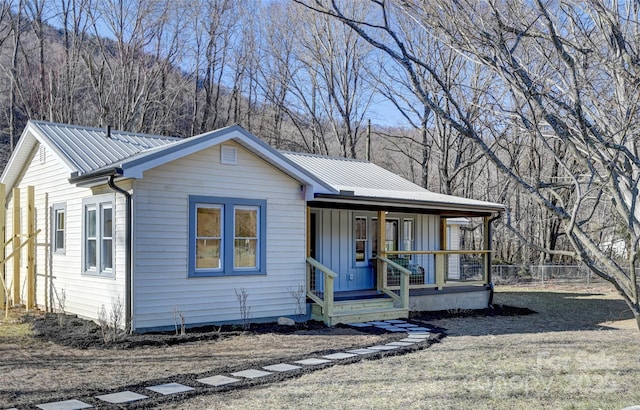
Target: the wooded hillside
(298, 79)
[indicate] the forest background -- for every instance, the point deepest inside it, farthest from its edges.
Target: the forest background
(299, 79)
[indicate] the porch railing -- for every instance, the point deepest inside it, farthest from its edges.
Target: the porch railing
(320, 287)
(438, 269)
(403, 296)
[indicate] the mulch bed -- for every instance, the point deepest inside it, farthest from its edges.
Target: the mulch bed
(86, 334)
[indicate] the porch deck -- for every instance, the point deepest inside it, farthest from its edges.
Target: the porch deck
(390, 302)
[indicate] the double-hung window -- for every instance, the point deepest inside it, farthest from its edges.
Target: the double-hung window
(97, 251)
(360, 236)
(58, 228)
(227, 236)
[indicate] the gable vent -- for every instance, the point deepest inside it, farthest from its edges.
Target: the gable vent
(228, 155)
(43, 154)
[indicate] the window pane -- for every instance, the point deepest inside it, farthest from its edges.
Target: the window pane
(246, 223)
(360, 250)
(208, 254)
(361, 228)
(107, 223)
(374, 237)
(91, 223)
(391, 239)
(59, 239)
(408, 234)
(208, 222)
(59, 219)
(245, 253)
(90, 256)
(106, 255)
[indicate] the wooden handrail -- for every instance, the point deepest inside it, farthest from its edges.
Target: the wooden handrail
(403, 298)
(320, 266)
(327, 301)
(459, 252)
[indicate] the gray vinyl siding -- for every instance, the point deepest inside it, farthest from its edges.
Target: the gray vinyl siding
(55, 272)
(161, 241)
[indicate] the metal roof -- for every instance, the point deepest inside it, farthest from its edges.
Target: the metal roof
(87, 149)
(351, 173)
(367, 180)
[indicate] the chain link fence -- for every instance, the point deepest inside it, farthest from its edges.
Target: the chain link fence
(543, 274)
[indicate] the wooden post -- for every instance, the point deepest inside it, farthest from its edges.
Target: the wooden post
(440, 261)
(308, 231)
(328, 299)
(487, 247)
(381, 251)
(16, 246)
(404, 290)
(31, 248)
(440, 258)
(3, 238)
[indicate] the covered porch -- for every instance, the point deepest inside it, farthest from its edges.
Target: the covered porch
(372, 263)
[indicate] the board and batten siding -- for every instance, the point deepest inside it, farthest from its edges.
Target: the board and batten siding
(335, 245)
(161, 282)
(61, 273)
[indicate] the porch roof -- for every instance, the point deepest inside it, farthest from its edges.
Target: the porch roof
(364, 185)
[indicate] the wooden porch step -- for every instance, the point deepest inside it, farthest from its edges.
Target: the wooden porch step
(354, 311)
(345, 306)
(367, 315)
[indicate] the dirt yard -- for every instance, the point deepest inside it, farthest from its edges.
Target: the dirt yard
(581, 350)
(73, 361)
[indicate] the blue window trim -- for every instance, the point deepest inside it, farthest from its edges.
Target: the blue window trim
(227, 205)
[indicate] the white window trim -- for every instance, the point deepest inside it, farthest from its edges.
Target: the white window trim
(256, 238)
(222, 241)
(367, 241)
(98, 202)
(57, 209)
(228, 225)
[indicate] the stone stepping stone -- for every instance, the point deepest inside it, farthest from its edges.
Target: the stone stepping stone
(122, 397)
(362, 351)
(395, 321)
(406, 325)
(282, 367)
(383, 347)
(394, 329)
(413, 339)
(378, 323)
(251, 373)
(339, 356)
(65, 405)
(419, 331)
(360, 324)
(170, 388)
(218, 380)
(400, 344)
(312, 361)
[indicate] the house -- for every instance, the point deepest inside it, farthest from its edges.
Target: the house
(165, 225)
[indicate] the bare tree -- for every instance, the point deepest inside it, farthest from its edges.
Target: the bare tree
(563, 76)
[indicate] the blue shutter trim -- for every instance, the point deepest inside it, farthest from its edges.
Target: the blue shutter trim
(227, 236)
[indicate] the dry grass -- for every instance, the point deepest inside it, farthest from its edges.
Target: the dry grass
(581, 351)
(33, 371)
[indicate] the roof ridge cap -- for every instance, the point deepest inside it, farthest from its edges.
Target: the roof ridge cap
(308, 154)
